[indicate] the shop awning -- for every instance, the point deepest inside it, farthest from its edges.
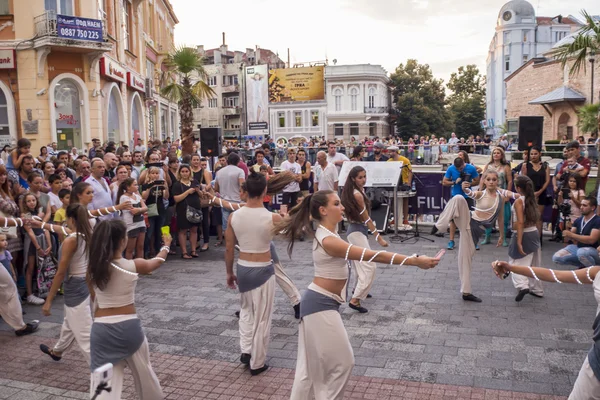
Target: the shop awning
(562, 94)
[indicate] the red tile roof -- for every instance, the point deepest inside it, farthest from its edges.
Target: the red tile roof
(548, 21)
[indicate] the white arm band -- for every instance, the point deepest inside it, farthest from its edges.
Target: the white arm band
(51, 228)
(43, 224)
(64, 231)
(407, 258)
(364, 209)
(367, 221)
(376, 254)
(363, 254)
(160, 258)
(90, 214)
(348, 251)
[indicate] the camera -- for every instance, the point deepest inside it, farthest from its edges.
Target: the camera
(103, 374)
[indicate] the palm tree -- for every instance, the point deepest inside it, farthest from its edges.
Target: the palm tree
(585, 43)
(184, 65)
(588, 118)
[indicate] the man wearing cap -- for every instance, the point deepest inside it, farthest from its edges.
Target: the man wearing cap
(406, 177)
(377, 150)
(574, 163)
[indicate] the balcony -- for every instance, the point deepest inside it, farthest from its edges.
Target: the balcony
(231, 111)
(231, 89)
(376, 110)
(78, 34)
(232, 133)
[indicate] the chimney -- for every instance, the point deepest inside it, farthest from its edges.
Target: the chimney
(223, 38)
(288, 58)
(200, 48)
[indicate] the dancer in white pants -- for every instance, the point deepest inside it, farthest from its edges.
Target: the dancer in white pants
(72, 270)
(587, 385)
(10, 305)
(488, 208)
(116, 336)
(525, 248)
(252, 227)
(357, 209)
(325, 357)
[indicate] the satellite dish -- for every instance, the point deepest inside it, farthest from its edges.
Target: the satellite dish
(334, 61)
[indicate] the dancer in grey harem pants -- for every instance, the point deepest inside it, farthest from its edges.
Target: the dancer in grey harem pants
(10, 306)
(283, 280)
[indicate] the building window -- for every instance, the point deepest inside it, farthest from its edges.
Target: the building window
(231, 101)
(150, 74)
(230, 80)
(354, 129)
(372, 128)
(506, 37)
(315, 118)
(127, 34)
(298, 118)
(64, 7)
(354, 99)
(337, 94)
(68, 114)
(371, 97)
(213, 123)
(525, 58)
(507, 63)
(4, 7)
(338, 129)
(281, 118)
(212, 81)
(525, 36)
(212, 103)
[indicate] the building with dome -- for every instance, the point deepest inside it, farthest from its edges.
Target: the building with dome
(520, 36)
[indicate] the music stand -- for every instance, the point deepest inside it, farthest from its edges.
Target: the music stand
(415, 233)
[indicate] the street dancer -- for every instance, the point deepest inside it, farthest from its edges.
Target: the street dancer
(357, 209)
(587, 385)
(72, 270)
(325, 357)
(116, 335)
(252, 227)
(499, 164)
(488, 209)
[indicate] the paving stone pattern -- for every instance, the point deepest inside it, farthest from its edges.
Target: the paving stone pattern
(418, 328)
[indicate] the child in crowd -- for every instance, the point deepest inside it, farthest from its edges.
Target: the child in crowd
(16, 156)
(60, 216)
(266, 199)
(6, 257)
(30, 207)
(572, 196)
(134, 218)
(55, 187)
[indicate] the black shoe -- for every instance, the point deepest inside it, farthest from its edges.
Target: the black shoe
(29, 328)
(46, 350)
(245, 358)
(297, 311)
(369, 296)
(521, 294)
(358, 308)
(471, 297)
(260, 370)
(535, 295)
(237, 314)
(434, 230)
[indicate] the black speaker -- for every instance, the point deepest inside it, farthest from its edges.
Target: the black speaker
(531, 132)
(381, 216)
(211, 142)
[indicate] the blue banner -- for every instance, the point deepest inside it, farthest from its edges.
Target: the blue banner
(70, 27)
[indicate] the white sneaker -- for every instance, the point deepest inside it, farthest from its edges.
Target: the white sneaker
(31, 299)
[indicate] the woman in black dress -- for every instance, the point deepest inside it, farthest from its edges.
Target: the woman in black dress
(186, 193)
(539, 173)
(202, 177)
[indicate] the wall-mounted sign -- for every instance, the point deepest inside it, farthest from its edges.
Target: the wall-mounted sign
(8, 59)
(111, 69)
(70, 27)
(135, 82)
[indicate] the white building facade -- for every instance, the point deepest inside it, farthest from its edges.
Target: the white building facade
(298, 118)
(358, 101)
(520, 36)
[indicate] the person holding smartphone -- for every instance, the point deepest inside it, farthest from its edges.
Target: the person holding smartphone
(154, 191)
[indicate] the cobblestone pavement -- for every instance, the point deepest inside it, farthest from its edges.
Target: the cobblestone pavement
(419, 339)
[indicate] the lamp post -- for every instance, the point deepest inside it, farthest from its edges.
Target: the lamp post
(592, 61)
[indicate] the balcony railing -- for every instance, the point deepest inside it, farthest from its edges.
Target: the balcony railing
(231, 88)
(46, 25)
(376, 110)
(231, 110)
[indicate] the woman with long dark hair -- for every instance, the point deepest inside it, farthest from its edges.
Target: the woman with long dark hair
(499, 164)
(116, 334)
(186, 192)
(83, 193)
(71, 274)
(358, 209)
(325, 357)
(202, 178)
(358, 153)
(524, 246)
(539, 173)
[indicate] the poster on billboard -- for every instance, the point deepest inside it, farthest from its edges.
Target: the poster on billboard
(296, 84)
(257, 99)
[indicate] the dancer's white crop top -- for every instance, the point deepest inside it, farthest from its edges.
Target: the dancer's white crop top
(253, 229)
(78, 266)
(327, 266)
(120, 290)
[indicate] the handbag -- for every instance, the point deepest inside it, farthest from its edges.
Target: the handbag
(9, 231)
(153, 208)
(193, 215)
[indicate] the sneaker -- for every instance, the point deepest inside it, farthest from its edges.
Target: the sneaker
(32, 299)
(451, 245)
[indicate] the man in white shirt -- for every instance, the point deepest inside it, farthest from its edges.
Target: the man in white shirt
(326, 174)
(55, 186)
(140, 146)
(453, 142)
(334, 157)
(228, 182)
(102, 193)
(291, 191)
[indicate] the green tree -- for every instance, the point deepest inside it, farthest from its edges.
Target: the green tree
(184, 65)
(467, 101)
(588, 118)
(420, 101)
(585, 43)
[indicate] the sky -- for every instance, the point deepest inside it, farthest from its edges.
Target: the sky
(442, 33)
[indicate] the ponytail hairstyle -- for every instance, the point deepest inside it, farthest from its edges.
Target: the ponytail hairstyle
(277, 182)
(352, 209)
(77, 191)
(298, 222)
(123, 188)
(110, 234)
(255, 184)
(530, 208)
(80, 217)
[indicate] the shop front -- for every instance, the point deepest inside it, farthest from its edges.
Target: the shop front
(137, 87)
(8, 121)
(114, 116)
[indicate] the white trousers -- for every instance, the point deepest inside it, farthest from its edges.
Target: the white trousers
(325, 358)
(147, 385)
(286, 284)
(10, 306)
(255, 322)
(76, 327)
(523, 282)
(587, 386)
(458, 211)
(365, 271)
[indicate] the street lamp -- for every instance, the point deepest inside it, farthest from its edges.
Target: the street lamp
(592, 61)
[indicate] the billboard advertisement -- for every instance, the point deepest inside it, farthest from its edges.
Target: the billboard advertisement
(257, 99)
(296, 84)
